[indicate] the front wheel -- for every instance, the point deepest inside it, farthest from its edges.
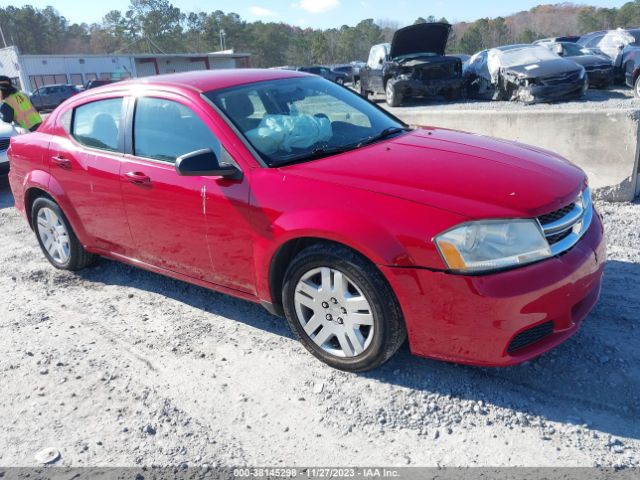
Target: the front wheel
(636, 88)
(393, 94)
(56, 237)
(342, 309)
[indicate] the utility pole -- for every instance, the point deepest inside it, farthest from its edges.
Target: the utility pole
(222, 39)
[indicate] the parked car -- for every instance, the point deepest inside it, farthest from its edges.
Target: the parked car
(618, 45)
(565, 39)
(290, 191)
(7, 131)
(599, 68)
(413, 65)
(50, 96)
(340, 78)
(97, 83)
(348, 70)
(528, 73)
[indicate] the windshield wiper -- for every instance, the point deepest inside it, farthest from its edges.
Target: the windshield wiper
(387, 132)
(316, 153)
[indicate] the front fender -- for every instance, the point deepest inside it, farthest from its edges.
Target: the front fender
(361, 234)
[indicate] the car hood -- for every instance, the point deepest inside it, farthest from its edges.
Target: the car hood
(471, 175)
(420, 38)
(544, 68)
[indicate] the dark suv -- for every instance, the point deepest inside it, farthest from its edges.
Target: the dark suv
(50, 96)
(413, 65)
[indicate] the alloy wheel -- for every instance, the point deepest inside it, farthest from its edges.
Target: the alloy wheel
(334, 313)
(54, 235)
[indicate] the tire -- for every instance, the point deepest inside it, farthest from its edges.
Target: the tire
(324, 330)
(340, 81)
(56, 237)
(636, 87)
(363, 92)
(393, 95)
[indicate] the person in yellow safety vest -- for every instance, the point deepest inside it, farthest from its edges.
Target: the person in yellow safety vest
(16, 106)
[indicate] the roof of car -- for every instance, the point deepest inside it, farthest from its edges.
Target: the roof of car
(207, 80)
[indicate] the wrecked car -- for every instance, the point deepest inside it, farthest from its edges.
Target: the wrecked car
(619, 45)
(526, 73)
(413, 65)
(599, 68)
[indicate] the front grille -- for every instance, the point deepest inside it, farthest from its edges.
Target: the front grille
(557, 215)
(553, 239)
(4, 144)
(530, 336)
(564, 227)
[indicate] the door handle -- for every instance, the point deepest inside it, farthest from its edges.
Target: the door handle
(61, 162)
(138, 178)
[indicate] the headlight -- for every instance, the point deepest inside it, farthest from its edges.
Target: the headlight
(480, 247)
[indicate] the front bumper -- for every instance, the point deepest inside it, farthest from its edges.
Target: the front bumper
(412, 87)
(550, 93)
(473, 320)
(600, 77)
(4, 163)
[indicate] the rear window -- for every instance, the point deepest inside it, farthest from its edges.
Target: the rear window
(97, 124)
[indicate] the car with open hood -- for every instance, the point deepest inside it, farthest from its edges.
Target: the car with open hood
(413, 65)
(526, 73)
(599, 68)
(290, 191)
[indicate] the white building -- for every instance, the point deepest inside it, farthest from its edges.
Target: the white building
(32, 71)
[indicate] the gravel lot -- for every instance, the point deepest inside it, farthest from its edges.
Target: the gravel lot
(117, 366)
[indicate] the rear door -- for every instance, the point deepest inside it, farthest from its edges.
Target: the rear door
(85, 158)
(189, 225)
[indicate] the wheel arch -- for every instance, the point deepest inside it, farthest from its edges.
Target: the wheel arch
(53, 190)
(284, 255)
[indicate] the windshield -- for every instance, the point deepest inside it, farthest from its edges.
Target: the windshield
(299, 119)
(524, 56)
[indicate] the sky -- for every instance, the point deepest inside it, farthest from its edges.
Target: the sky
(315, 13)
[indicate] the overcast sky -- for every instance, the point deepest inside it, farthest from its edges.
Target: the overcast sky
(313, 13)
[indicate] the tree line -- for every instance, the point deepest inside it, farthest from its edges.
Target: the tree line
(157, 26)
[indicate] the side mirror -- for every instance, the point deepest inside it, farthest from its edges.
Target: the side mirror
(204, 163)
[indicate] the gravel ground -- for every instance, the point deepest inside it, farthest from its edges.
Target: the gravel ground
(615, 98)
(115, 366)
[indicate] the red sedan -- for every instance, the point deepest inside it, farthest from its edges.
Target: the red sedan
(285, 189)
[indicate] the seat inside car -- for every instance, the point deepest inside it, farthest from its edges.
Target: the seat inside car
(240, 108)
(105, 131)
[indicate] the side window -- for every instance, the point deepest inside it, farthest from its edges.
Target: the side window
(164, 130)
(97, 124)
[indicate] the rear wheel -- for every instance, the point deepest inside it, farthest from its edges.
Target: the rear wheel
(56, 237)
(341, 308)
(393, 94)
(636, 88)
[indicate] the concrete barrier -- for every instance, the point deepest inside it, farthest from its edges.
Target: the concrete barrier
(604, 143)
